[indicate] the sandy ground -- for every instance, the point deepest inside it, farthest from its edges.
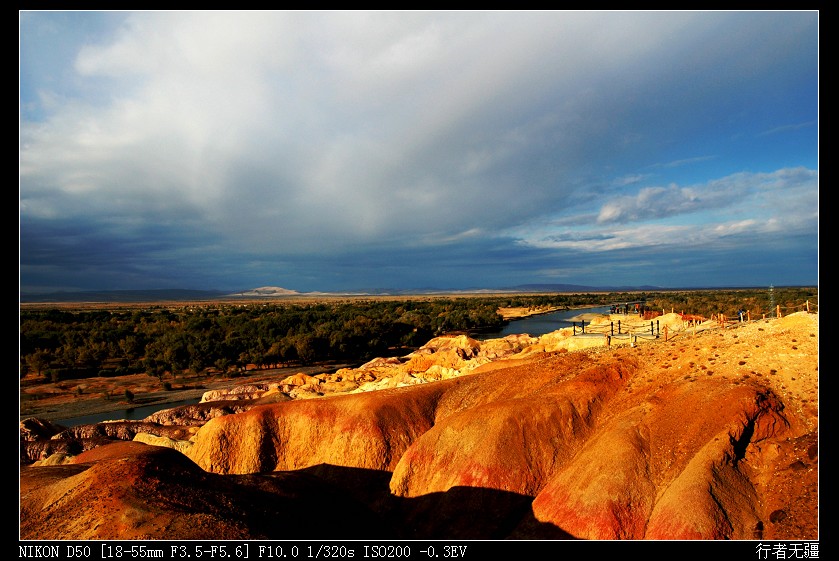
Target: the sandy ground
(518, 313)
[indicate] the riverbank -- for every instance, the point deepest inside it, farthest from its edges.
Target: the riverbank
(525, 312)
(68, 399)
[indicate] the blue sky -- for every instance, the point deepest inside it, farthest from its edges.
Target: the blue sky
(330, 151)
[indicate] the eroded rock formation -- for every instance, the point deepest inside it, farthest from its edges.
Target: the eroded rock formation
(706, 436)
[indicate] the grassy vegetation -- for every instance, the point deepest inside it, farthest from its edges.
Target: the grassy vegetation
(60, 342)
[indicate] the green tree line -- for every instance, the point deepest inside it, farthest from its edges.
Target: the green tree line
(158, 341)
(756, 302)
(227, 337)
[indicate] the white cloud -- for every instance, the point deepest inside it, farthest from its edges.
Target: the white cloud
(299, 133)
(745, 192)
(732, 205)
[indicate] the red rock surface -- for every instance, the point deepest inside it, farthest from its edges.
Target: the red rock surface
(709, 436)
(128, 490)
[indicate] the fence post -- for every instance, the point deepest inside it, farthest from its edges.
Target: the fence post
(807, 303)
(658, 328)
(665, 333)
(778, 311)
(608, 340)
(574, 323)
(619, 327)
(612, 327)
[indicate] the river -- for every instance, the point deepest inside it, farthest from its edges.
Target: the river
(132, 414)
(534, 326)
(541, 324)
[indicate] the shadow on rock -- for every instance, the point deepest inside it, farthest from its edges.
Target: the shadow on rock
(466, 513)
(129, 490)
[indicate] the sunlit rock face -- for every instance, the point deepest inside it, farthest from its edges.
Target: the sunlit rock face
(705, 436)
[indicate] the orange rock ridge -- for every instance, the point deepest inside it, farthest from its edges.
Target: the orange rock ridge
(712, 434)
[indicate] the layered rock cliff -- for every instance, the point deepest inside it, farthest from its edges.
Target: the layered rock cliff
(707, 435)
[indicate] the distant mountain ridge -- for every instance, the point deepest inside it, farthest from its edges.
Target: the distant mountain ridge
(580, 288)
(279, 292)
(123, 296)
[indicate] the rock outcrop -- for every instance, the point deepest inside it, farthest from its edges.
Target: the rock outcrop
(709, 435)
(129, 490)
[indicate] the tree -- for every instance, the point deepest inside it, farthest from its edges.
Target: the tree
(223, 364)
(306, 347)
(39, 360)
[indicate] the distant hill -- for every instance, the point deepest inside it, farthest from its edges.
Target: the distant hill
(266, 292)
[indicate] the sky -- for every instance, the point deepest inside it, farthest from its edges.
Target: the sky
(343, 151)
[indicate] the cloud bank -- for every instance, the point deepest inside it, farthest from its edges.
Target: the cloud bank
(333, 150)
